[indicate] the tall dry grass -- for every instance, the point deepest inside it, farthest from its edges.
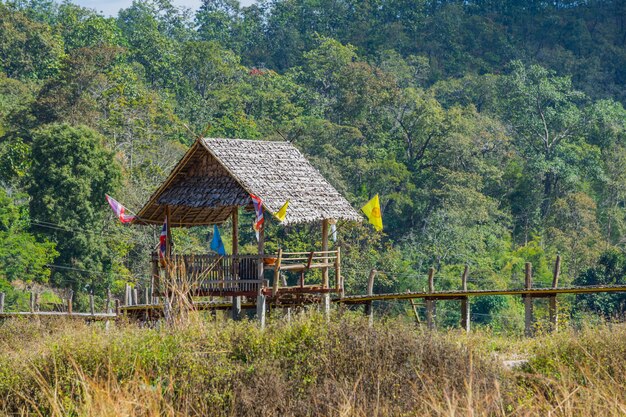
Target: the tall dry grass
(310, 367)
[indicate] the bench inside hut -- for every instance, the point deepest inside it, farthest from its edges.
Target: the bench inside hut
(209, 186)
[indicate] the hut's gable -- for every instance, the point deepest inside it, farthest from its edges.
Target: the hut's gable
(217, 175)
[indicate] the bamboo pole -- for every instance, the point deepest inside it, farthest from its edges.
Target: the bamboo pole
(338, 278)
(528, 301)
(430, 303)
(108, 302)
(465, 305)
(552, 307)
(325, 283)
(236, 301)
(415, 312)
(369, 306)
(276, 282)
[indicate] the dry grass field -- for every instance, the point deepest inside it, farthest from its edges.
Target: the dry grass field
(308, 367)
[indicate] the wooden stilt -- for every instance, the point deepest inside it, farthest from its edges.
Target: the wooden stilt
(465, 305)
(32, 302)
(236, 303)
(528, 301)
(260, 310)
(325, 283)
(92, 309)
(369, 307)
(1, 302)
(430, 303)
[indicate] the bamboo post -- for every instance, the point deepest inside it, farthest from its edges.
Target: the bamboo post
(69, 305)
(338, 279)
(260, 309)
(553, 311)
(91, 305)
(325, 284)
(1, 302)
(126, 294)
(276, 282)
(415, 312)
(236, 301)
(430, 303)
(135, 296)
(465, 305)
(155, 277)
(108, 302)
(369, 307)
(528, 301)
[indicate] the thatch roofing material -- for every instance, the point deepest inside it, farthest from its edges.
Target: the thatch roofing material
(217, 175)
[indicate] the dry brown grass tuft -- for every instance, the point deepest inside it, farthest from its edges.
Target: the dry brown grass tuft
(310, 367)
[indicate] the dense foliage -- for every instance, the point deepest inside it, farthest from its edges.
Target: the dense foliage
(494, 132)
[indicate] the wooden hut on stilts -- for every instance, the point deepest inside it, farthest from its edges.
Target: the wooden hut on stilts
(209, 185)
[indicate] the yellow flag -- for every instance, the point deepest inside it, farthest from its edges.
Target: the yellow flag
(372, 211)
(280, 214)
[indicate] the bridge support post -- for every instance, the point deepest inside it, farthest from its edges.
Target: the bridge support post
(528, 301)
(369, 307)
(260, 310)
(1, 302)
(552, 309)
(236, 308)
(465, 305)
(431, 308)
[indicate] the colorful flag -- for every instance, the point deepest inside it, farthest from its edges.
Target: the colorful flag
(119, 210)
(372, 211)
(163, 243)
(216, 244)
(258, 210)
(282, 213)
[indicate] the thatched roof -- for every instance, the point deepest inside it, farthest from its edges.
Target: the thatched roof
(217, 175)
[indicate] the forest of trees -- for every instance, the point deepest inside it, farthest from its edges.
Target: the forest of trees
(494, 132)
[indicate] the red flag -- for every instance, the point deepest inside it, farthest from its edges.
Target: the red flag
(119, 210)
(258, 210)
(163, 242)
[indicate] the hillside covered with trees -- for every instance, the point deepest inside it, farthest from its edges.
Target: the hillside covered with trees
(494, 132)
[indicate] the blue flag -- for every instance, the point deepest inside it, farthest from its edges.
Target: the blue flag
(216, 244)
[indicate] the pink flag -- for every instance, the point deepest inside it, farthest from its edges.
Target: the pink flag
(120, 210)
